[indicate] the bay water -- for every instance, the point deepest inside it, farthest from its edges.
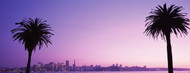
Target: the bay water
(111, 72)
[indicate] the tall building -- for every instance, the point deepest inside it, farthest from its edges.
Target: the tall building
(74, 66)
(116, 65)
(67, 63)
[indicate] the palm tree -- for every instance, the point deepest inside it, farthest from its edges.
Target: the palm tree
(166, 20)
(32, 33)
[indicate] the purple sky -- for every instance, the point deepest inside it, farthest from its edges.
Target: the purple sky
(102, 32)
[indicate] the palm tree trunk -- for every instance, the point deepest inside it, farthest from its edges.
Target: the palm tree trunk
(169, 54)
(29, 61)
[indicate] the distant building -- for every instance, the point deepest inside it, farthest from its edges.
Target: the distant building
(117, 65)
(120, 66)
(113, 65)
(74, 66)
(144, 66)
(67, 65)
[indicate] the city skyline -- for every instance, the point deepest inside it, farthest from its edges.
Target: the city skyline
(101, 32)
(65, 67)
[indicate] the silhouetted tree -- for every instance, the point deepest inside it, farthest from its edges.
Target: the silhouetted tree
(32, 33)
(164, 21)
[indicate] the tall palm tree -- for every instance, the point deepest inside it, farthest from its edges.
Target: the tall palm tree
(164, 21)
(32, 33)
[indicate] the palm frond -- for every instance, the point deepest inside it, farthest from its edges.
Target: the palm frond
(166, 20)
(32, 33)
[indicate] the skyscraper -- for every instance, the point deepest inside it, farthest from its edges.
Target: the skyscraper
(74, 66)
(67, 64)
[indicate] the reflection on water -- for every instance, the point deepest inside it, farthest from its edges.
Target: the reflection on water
(110, 72)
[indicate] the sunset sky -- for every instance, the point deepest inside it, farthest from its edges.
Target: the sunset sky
(97, 32)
